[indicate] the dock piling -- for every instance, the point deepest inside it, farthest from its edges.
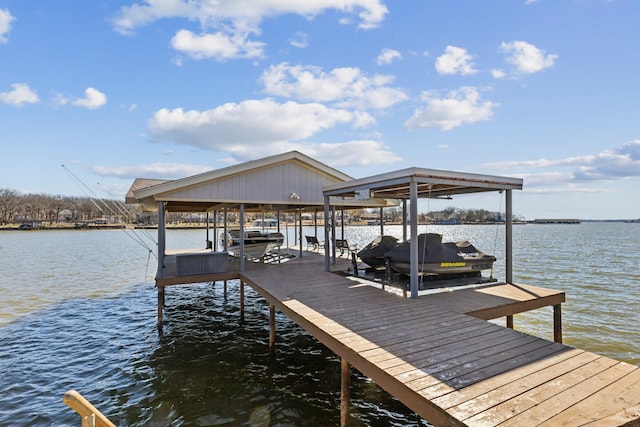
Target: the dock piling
(272, 326)
(345, 392)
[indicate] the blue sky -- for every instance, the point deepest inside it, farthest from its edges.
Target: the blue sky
(545, 90)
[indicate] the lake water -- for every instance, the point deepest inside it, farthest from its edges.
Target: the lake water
(78, 311)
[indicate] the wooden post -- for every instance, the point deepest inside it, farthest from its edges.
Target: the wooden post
(225, 288)
(345, 392)
(242, 301)
(557, 323)
(510, 321)
(272, 326)
(160, 303)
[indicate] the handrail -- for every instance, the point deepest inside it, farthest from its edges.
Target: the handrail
(91, 417)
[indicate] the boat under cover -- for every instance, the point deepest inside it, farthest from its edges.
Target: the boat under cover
(435, 257)
(256, 243)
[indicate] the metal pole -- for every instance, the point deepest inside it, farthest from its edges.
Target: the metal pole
(413, 248)
(242, 237)
(326, 233)
(162, 226)
(333, 233)
(404, 220)
(509, 238)
(300, 213)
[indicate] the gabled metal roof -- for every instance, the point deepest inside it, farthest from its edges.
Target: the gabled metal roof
(282, 182)
(432, 183)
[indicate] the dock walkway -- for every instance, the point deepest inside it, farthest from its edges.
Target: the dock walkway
(439, 357)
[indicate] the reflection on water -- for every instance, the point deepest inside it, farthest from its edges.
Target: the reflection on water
(78, 312)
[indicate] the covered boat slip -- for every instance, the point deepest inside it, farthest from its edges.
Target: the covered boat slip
(437, 356)
(414, 183)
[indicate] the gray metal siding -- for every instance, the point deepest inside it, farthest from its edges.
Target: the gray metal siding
(273, 184)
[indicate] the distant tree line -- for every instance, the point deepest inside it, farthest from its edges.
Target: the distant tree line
(16, 207)
(453, 214)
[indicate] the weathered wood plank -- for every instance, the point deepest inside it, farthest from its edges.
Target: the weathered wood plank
(448, 367)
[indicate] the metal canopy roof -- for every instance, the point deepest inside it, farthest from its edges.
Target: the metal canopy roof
(432, 183)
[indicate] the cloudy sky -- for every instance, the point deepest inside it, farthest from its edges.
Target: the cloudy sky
(545, 90)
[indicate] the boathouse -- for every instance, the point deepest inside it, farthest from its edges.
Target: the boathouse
(435, 353)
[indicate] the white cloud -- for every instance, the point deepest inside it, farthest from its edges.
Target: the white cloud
(612, 164)
(93, 99)
(352, 153)
(249, 122)
(455, 60)
(59, 99)
(153, 170)
(498, 73)
(347, 87)
(300, 40)
(387, 56)
(463, 106)
(226, 24)
(258, 128)
(5, 24)
(527, 58)
(20, 94)
(219, 45)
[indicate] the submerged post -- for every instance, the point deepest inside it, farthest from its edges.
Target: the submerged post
(345, 392)
(241, 300)
(160, 303)
(272, 326)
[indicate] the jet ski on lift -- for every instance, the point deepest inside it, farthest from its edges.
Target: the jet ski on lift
(434, 257)
(437, 258)
(373, 253)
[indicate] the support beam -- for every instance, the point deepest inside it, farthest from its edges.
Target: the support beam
(272, 326)
(160, 303)
(413, 248)
(345, 392)
(333, 234)
(241, 237)
(327, 259)
(162, 232)
(241, 301)
(300, 232)
(404, 220)
(557, 323)
(508, 238)
(510, 321)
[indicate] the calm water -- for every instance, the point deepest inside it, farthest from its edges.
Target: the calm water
(78, 311)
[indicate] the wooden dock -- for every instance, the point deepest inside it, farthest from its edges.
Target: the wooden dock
(439, 356)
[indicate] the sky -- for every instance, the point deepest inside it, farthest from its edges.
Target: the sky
(544, 90)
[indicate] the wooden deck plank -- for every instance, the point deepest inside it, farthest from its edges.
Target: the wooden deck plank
(448, 367)
(484, 395)
(525, 409)
(455, 377)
